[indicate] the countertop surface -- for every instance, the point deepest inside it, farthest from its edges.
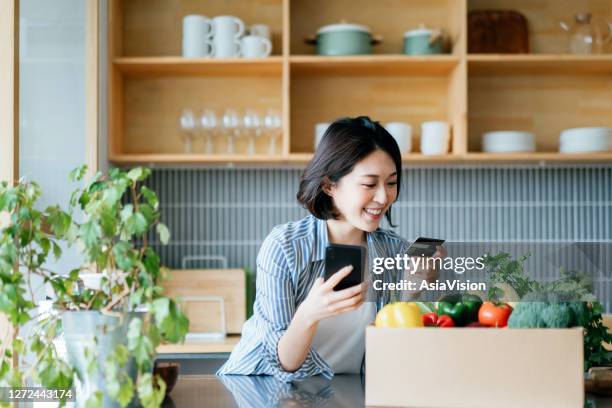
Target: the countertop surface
(264, 391)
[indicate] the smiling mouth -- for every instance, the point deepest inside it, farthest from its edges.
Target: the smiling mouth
(373, 211)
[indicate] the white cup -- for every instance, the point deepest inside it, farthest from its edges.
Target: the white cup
(228, 30)
(197, 31)
(320, 129)
(255, 47)
(260, 30)
(402, 133)
(228, 26)
(435, 137)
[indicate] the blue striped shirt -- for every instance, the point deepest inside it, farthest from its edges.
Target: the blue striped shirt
(290, 259)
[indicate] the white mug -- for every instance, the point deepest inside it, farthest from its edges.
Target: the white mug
(228, 26)
(260, 30)
(402, 133)
(226, 48)
(228, 30)
(435, 136)
(197, 30)
(320, 129)
(255, 47)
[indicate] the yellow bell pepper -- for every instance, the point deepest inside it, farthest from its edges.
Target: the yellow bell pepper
(399, 314)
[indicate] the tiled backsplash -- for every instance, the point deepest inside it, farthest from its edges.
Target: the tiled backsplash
(228, 212)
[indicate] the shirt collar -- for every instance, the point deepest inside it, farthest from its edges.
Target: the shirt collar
(322, 240)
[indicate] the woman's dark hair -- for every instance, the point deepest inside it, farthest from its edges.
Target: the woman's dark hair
(345, 142)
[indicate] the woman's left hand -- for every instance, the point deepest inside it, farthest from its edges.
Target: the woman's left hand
(423, 273)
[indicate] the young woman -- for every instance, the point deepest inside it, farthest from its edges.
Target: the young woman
(300, 326)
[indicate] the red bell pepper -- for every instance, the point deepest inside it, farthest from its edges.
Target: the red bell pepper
(432, 319)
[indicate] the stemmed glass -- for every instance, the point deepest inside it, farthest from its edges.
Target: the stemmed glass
(231, 123)
(208, 124)
(187, 124)
(252, 125)
(273, 125)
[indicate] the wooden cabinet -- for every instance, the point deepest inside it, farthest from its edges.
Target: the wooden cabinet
(543, 92)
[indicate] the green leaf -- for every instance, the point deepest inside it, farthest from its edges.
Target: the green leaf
(90, 233)
(123, 255)
(164, 234)
(58, 220)
(126, 391)
(140, 346)
(172, 323)
(136, 224)
(138, 174)
(94, 400)
(78, 173)
(112, 195)
(149, 395)
(150, 197)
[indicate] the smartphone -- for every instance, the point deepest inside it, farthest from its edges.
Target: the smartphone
(338, 256)
(424, 247)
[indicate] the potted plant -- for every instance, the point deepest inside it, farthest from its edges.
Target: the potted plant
(110, 329)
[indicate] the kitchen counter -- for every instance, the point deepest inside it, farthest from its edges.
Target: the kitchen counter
(264, 391)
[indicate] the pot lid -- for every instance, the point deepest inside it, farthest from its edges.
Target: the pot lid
(343, 27)
(420, 31)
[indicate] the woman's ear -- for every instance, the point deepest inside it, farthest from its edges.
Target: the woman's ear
(327, 186)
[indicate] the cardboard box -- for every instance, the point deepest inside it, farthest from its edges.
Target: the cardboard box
(474, 367)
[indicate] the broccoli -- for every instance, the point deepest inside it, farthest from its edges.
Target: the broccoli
(527, 315)
(558, 315)
(541, 314)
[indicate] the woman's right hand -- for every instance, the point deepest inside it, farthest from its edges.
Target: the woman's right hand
(323, 302)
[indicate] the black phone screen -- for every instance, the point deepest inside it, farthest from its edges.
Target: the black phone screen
(338, 256)
(424, 247)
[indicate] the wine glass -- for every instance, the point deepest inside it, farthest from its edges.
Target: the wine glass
(187, 124)
(273, 125)
(209, 124)
(252, 126)
(230, 122)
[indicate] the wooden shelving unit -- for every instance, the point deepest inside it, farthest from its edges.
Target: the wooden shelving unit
(543, 92)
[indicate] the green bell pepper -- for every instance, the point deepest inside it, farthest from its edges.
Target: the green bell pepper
(462, 308)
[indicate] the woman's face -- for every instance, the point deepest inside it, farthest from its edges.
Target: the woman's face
(364, 195)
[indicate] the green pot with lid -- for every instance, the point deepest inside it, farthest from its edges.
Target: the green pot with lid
(423, 41)
(344, 39)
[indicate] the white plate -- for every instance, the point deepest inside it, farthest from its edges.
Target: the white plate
(590, 139)
(508, 141)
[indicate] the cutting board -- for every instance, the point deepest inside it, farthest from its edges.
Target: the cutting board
(205, 316)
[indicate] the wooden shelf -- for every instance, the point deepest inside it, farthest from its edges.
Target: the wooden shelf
(198, 347)
(539, 64)
(407, 159)
(544, 92)
(177, 158)
(153, 66)
(480, 157)
(373, 65)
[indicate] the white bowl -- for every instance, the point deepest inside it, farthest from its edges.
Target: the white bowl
(588, 139)
(508, 141)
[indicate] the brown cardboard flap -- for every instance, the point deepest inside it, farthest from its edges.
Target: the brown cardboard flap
(474, 367)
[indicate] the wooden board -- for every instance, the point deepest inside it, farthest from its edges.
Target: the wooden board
(228, 283)
(543, 17)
